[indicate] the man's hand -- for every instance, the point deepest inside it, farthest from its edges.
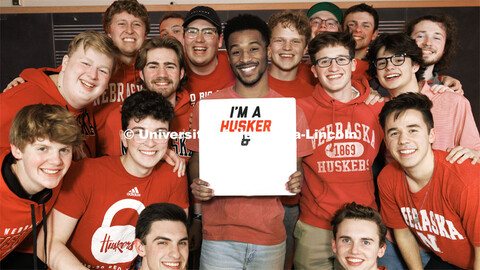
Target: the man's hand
(15, 82)
(201, 191)
(373, 98)
(294, 184)
(176, 161)
(460, 154)
(440, 88)
(453, 84)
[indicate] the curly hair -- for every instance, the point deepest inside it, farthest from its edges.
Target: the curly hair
(132, 7)
(295, 19)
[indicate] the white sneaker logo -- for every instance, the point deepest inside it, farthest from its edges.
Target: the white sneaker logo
(134, 192)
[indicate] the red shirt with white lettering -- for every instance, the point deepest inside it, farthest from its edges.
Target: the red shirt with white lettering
(106, 200)
(201, 86)
(347, 141)
(449, 220)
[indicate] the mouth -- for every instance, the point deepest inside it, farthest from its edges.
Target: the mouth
(86, 84)
(199, 49)
(334, 76)
(392, 76)
(174, 265)
(357, 38)
(247, 68)
(50, 171)
(162, 82)
(128, 39)
(354, 261)
(148, 153)
(407, 152)
(285, 55)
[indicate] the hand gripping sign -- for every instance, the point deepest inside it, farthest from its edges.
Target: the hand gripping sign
(114, 244)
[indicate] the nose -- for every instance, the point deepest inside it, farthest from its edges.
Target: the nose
(162, 71)
(55, 158)
(93, 73)
(174, 252)
(334, 65)
(199, 37)
(129, 28)
(287, 45)
(354, 248)
(244, 57)
(402, 138)
(390, 64)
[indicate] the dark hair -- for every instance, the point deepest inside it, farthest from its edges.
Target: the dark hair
(132, 7)
(246, 22)
(143, 104)
(329, 39)
(451, 42)
(357, 211)
(158, 212)
(362, 8)
(170, 15)
(397, 43)
(161, 42)
(406, 101)
(295, 19)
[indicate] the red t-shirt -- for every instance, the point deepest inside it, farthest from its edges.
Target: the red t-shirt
(106, 200)
(450, 217)
(200, 86)
(256, 220)
(361, 70)
(348, 137)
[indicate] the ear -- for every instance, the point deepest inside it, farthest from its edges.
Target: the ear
(314, 71)
(141, 75)
(220, 41)
(334, 246)
(16, 152)
(375, 34)
(269, 52)
(415, 68)
(139, 247)
(121, 133)
(354, 64)
(65, 62)
(182, 73)
(431, 136)
(381, 251)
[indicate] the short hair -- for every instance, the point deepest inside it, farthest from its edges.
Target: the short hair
(132, 7)
(170, 15)
(359, 212)
(396, 43)
(45, 121)
(161, 42)
(143, 104)
(95, 40)
(363, 8)
(246, 22)
(158, 212)
(406, 101)
(451, 42)
(330, 39)
(291, 19)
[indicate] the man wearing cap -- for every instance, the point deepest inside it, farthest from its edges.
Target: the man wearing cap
(208, 69)
(324, 16)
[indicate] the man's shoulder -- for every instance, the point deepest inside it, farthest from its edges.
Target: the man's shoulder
(389, 173)
(465, 172)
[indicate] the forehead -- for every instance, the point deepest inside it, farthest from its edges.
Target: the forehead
(124, 15)
(162, 55)
(384, 53)
(171, 22)
(406, 118)
(201, 23)
(323, 15)
(147, 123)
(429, 26)
(245, 37)
(360, 16)
(279, 30)
(332, 51)
(174, 230)
(358, 228)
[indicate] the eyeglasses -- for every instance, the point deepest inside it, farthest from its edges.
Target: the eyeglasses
(396, 60)
(174, 29)
(342, 60)
(329, 23)
(208, 33)
(141, 136)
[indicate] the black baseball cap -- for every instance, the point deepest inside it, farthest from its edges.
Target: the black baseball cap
(206, 13)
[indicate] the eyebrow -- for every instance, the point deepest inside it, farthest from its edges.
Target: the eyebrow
(168, 239)
(157, 63)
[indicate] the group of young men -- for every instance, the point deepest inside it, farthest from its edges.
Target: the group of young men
(122, 197)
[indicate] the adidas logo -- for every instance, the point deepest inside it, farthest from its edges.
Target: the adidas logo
(134, 192)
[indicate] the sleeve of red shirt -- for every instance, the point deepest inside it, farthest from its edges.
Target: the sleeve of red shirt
(389, 209)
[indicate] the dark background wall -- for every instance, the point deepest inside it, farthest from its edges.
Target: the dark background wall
(38, 40)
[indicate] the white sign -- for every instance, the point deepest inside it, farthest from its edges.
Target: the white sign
(247, 146)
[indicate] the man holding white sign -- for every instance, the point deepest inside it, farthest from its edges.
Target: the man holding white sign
(245, 232)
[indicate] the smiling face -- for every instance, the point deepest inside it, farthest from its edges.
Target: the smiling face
(127, 32)
(162, 72)
(42, 164)
(430, 37)
(361, 25)
(334, 78)
(248, 56)
(319, 26)
(172, 27)
(398, 79)
(144, 150)
(286, 48)
(84, 77)
(357, 244)
(409, 140)
(200, 51)
(165, 247)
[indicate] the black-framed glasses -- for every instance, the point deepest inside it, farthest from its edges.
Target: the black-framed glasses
(341, 60)
(396, 60)
(208, 33)
(329, 23)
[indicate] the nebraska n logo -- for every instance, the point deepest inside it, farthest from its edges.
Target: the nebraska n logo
(134, 192)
